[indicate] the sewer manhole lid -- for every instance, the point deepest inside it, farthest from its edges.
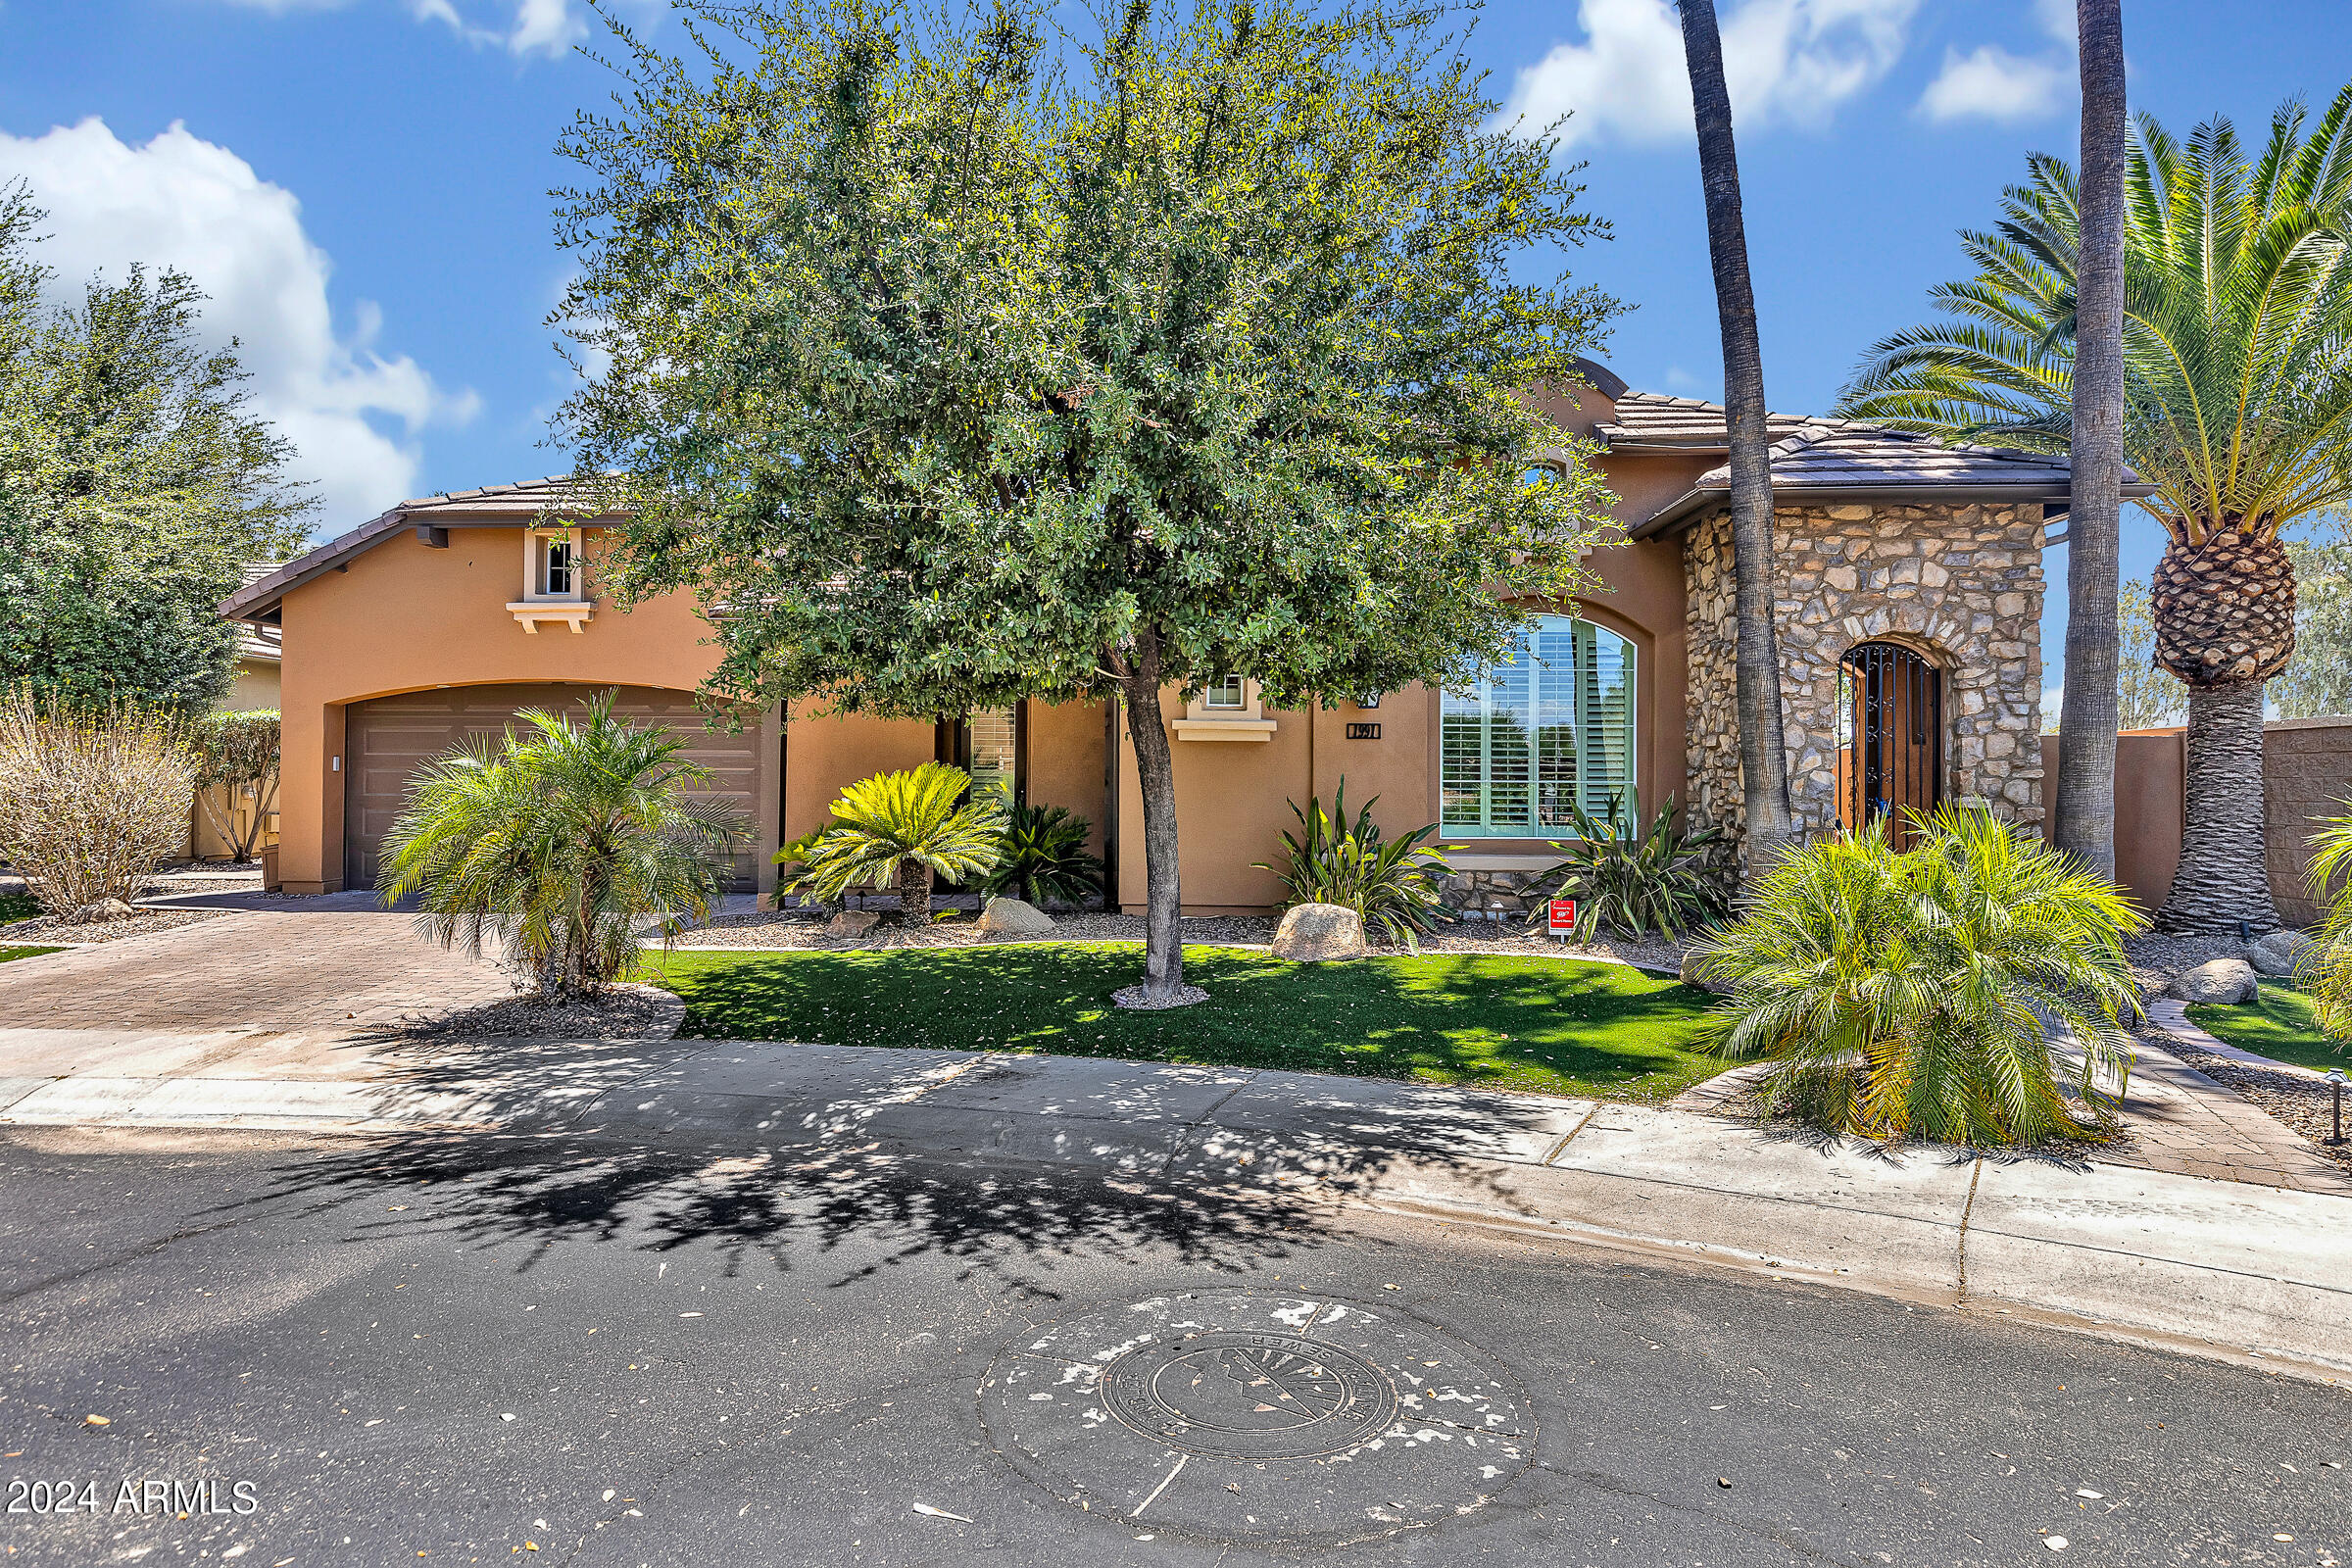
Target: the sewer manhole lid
(1237, 1416)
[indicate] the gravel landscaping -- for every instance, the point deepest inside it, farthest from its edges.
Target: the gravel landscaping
(49, 929)
(618, 1012)
(2296, 1099)
(2156, 959)
(793, 930)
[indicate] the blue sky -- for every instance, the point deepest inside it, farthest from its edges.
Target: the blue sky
(362, 184)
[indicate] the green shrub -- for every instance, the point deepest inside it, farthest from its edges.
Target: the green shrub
(2325, 970)
(902, 829)
(1044, 857)
(1661, 881)
(1897, 993)
(1391, 883)
(560, 842)
(237, 752)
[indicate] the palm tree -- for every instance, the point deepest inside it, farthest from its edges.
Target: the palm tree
(1902, 993)
(901, 830)
(561, 842)
(1763, 754)
(2238, 384)
(2085, 798)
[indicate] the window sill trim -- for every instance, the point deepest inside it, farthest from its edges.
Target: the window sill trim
(574, 612)
(1223, 729)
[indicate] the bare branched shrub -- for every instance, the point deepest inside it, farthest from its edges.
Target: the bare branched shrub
(92, 799)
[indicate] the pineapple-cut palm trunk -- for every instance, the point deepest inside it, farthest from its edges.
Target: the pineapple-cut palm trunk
(2222, 878)
(914, 892)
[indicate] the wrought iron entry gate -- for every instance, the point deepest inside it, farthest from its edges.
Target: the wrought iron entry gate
(1891, 752)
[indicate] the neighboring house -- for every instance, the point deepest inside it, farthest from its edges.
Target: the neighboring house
(254, 686)
(1909, 601)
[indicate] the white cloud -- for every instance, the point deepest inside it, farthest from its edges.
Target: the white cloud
(538, 26)
(1785, 62)
(184, 201)
(1992, 83)
(1988, 82)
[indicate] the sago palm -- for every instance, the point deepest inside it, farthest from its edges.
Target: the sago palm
(2237, 373)
(902, 829)
(1903, 993)
(2325, 968)
(560, 842)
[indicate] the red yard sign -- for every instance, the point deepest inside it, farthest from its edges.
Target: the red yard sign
(1563, 917)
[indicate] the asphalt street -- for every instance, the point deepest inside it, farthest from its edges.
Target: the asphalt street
(470, 1349)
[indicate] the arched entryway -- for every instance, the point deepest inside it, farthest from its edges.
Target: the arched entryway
(1890, 736)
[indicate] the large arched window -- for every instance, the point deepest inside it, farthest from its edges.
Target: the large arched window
(1549, 727)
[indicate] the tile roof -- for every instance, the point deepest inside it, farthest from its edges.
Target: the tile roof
(511, 503)
(1845, 458)
(1655, 420)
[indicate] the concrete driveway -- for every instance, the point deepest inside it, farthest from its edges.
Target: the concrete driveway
(271, 965)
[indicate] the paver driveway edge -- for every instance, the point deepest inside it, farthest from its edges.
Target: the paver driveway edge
(2213, 1267)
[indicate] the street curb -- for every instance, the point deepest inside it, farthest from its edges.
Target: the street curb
(2214, 1268)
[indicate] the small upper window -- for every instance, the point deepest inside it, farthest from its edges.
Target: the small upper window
(558, 569)
(1224, 695)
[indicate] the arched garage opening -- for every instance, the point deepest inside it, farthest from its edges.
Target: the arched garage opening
(387, 739)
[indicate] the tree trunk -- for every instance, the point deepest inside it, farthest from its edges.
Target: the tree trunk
(1763, 752)
(2085, 799)
(914, 892)
(2223, 877)
(1163, 893)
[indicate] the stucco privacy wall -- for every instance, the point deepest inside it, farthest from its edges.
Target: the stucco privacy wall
(1961, 584)
(2306, 774)
(404, 617)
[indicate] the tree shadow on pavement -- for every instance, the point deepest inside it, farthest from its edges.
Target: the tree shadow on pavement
(550, 1191)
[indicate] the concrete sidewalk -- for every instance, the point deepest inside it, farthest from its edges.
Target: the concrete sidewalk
(2214, 1268)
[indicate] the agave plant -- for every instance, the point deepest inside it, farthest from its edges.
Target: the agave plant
(1903, 993)
(560, 842)
(1391, 883)
(901, 830)
(1660, 880)
(2325, 968)
(1044, 857)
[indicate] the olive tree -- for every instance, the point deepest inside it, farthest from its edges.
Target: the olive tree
(956, 358)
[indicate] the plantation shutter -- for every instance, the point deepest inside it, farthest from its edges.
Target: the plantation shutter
(995, 751)
(1548, 728)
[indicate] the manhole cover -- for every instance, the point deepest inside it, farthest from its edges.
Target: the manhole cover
(1235, 1416)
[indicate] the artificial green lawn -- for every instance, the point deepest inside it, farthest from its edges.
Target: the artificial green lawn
(1546, 1025)
(15, 906)
(7, 953)
(2277, 1025)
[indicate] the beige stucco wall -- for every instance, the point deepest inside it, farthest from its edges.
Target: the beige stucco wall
(404, 617)
(254, 686)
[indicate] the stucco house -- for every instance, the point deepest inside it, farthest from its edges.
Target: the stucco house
(1909, 598)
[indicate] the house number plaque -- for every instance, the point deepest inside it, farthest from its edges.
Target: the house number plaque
(1363, 732)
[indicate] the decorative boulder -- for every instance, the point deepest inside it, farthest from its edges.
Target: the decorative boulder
(1010, 917)
(103, 909)
(1317, 933)
(852, 923)
(2220, 981)
(2279, 953)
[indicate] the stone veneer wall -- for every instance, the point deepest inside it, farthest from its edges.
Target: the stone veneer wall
(1961, 584)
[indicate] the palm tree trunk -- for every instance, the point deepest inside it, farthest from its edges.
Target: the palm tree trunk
(1164, 893)
(2084, 803)
(1763, 752)
(2223, 877)
(914, 892)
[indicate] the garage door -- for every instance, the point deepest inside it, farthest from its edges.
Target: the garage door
(385, 742)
